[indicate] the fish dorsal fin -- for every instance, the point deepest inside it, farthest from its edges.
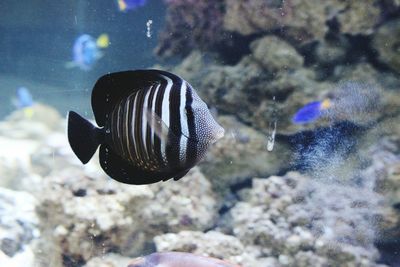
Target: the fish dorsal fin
(111, 88)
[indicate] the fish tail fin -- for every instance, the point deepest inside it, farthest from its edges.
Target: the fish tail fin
(83, 136)
(122, 5)
(325, 104)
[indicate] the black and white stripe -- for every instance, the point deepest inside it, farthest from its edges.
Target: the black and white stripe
(134, 137)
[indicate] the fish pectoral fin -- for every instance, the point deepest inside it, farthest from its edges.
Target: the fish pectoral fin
(160, 128)
(157, 124)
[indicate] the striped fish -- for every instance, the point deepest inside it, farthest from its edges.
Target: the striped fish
(154, 127)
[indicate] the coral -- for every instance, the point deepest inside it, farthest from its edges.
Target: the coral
(298, 19)
(275, 55)
(20, 137)
(18, 228)
(87, 215)
(247, 89)
(359, 17)
(108, 260)
(83, 214)
(191, 25)
(208, 25)
(256, 16)
(387, 42)
(283, 218)
(213, 244)
(241, 154)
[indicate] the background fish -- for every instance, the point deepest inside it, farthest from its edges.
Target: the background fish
(24, 101)
(86, 51)
(351, 101)
(178, 259)
(154, 127)
(311, 112)
(125, 5)
(24, 98)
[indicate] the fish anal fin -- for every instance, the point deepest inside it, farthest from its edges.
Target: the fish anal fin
(122, 171)
(181, 174)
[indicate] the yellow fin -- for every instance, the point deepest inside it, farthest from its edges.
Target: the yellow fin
(121, 5)
(326, 104)
(28, 112)
(103, 41)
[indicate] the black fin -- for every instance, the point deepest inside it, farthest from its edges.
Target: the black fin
(110, 88)
(122, 171)
(181, 174)
(83, 136)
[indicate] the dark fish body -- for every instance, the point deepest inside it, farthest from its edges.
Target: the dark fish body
(178, 259)
(154, 127)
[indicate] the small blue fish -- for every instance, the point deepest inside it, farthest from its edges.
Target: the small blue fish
(24, 98)
(311, 112)
(126, 5)
(86, 51)
(24, 101)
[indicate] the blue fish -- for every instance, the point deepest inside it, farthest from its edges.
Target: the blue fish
(24, 98)
(24, 101)
(125, 5)
(311, 112)
(86, 51)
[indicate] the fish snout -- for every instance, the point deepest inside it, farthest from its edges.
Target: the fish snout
(218, 133)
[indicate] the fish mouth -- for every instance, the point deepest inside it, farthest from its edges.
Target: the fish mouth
(218, 134)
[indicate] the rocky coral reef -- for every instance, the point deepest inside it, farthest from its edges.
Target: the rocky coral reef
(288, 217)
(18, 227)
(296, 52)
(199, 23)
(76, 216)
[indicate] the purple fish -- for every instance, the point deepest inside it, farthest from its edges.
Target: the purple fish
(178, 259)
(310, 112)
